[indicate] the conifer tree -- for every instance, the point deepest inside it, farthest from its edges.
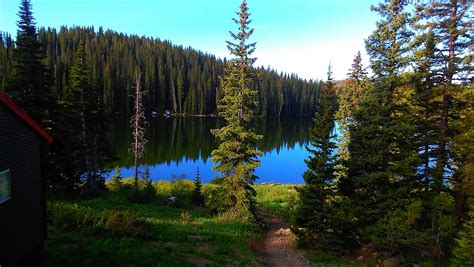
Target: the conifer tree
(198, 198)
(357, 72)
(116, 180)
(383, 158)
(349, 95)
(450, 24)
(102, 153)
(70, 139)
(83, 124)
(449, 92)
(314, 221)
(423, 101)
(149, 190)
(78, 93)
(30, 81)
(6, 55)
(236, 156)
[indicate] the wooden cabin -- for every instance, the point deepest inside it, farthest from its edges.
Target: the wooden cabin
(22, 186)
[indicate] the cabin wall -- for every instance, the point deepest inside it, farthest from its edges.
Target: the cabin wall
(21, 217)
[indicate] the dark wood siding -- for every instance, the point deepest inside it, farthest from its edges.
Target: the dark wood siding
(21, 216)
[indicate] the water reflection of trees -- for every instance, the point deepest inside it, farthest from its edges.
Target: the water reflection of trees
(189, 138)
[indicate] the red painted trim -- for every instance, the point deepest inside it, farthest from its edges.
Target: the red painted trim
(20, 113)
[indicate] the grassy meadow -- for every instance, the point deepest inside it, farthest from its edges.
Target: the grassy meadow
(111, 230)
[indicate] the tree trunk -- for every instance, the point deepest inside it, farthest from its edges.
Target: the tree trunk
(173, 97)
(138, 130)
(136, 143)
(96, 156)
(85, 149)
(443, 124)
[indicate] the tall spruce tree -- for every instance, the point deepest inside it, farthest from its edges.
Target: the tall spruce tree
(450, 23)
(315, 217)
(30, 81)
(73, 135)
(236, 156)
(449, 26)
(462, 178)
(80, 89)
(382, 162)
(425, 107)
(83, 123)
(349, 93)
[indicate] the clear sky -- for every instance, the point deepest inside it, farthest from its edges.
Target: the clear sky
(296, 36)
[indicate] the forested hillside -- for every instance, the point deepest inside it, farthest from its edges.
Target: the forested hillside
(176, 78)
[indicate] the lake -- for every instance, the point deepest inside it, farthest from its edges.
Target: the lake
(177, 146)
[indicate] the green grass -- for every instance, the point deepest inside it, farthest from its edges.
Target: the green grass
(170, 241)
(174, 236)
(324, 259)
(279, 199)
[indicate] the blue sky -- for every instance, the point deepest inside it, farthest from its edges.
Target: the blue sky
(300, 36)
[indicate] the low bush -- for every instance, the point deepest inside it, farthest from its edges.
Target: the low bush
(185, 216)
(163, 188)
(182, 188)
(72, 217)
(464, 250)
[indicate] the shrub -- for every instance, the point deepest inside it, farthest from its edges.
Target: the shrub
(182, 187)
(185, 216)
(212, 197)
(421, 230)
(232, 215)
(146, 191)
(72, 217)
(163, 188)
(464, 251)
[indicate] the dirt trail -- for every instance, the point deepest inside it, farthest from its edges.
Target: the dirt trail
(277, 247)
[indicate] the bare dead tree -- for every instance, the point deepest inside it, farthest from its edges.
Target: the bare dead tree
(137, 124)
(173, 97)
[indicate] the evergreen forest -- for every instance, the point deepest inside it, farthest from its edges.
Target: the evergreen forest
(176, 78)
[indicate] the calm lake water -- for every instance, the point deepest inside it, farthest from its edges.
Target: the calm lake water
(178, 146)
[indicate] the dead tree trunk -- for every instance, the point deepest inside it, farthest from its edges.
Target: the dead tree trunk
(137, 124)
(173, 97)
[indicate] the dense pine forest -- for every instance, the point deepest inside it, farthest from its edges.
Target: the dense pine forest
(176, 78)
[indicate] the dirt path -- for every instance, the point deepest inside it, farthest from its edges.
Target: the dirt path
(277, 247)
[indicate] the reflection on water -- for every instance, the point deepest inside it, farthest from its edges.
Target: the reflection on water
(178, 146)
